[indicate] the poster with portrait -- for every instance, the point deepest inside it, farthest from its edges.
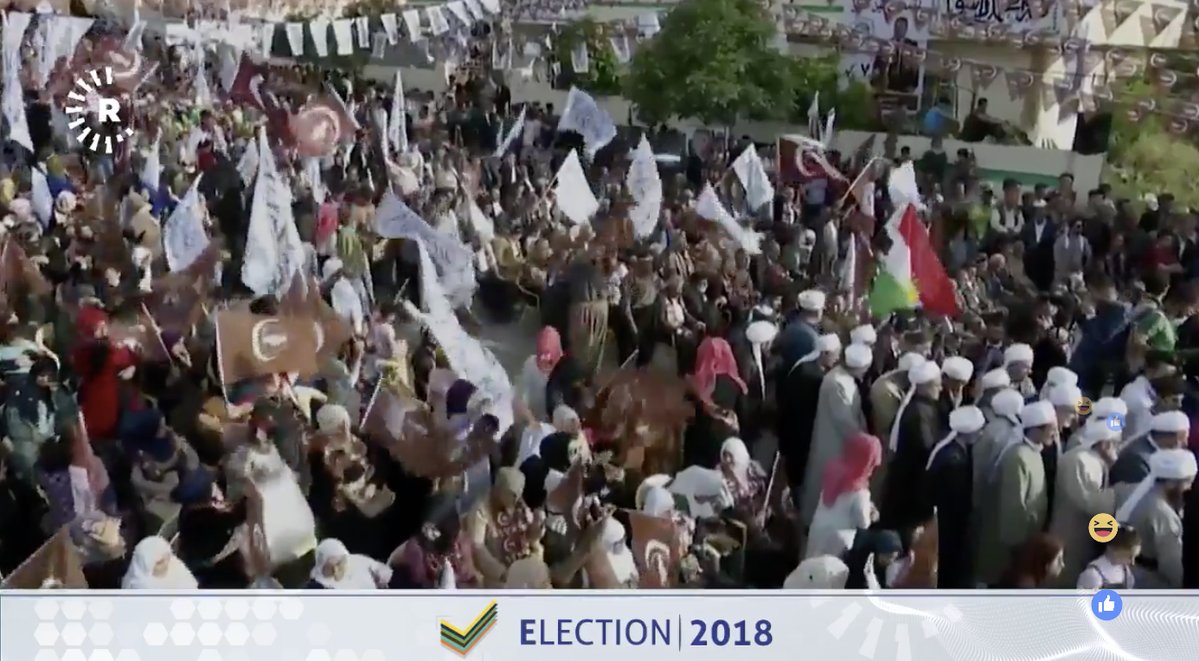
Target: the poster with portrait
(892, 69)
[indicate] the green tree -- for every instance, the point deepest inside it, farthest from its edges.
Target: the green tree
(714, 60)
(854, 102)
(604, 73)
(1145, 157)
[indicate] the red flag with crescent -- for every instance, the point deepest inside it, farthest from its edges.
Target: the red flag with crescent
(320, 126)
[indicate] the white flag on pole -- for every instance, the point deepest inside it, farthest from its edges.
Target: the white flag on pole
(752, 175)
(513, 133)
(274, 251)
(572, 191)
(397, 128)
(42, 201)
(585, 117)
(455, 262)
(12, 102)
(645, 185)
(708, 206)
(151, 175)
(183, 235)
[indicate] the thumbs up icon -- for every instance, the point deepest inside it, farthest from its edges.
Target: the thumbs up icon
(1106, 605)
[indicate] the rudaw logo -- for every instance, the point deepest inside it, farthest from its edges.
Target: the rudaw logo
(89, 96)
(462, 641)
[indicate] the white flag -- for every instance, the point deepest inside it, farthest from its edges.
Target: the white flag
(320, 36)
(183, 235)
(312, 171)
(42, 201)
(585, 117)
(152, 168)
(295, 38)
(63, 34)
(752, 175)
(466, 355)
(397, 128)
(455, 262)
(343, 36)
(580, 59)
(274, 251)
(483, 226)
(572, 191)
(12, 103)
(203, 94)
(515, 132)
(247, 167)
(645, 185)
(708, 206)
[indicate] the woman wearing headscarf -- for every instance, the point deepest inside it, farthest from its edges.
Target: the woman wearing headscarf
(502, 529)
(347, 495)
(98, 363)
(73, 479)
(819, 573)
(529, 574)
(212, 532)
(743, 477)
(159, 460)
(1036, 564)
(534, 376)
(439, 548)
(845, 506)
(31, 416)
(873, 552)
(335, 568)
(155, 567)
(719, 390)
(613, 567)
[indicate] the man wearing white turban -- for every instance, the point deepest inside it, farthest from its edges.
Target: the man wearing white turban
(797, 393)
(1023, 484)
(839, 415)
(1002, 430)
(918, 426)
(1154, 507)
(947, 483)
(1081, 493)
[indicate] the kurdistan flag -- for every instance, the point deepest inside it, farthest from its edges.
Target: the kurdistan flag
(910, 274)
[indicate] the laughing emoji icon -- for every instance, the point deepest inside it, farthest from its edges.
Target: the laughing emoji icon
(1083, 407)
(1103, 528)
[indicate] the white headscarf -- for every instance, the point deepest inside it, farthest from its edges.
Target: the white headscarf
(658, 502)
(739, 456)
(620, 558)
(146, 556)
(359, 571)
(824, 572)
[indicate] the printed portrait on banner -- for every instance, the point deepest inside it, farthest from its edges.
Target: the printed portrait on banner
(898, 29)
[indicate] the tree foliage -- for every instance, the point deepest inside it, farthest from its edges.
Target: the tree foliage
(714, 60)
(1145, 157)
(854, 102)
(604, 73)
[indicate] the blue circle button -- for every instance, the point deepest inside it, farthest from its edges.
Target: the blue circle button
(1115, 422)
(1106, 605)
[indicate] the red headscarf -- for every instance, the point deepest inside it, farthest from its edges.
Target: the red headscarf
(326, 222)
(549, 349)
(714, 358)
(852, 470)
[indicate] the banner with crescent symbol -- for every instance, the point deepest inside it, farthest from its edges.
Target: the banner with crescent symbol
(250, 345)
(655, 549)
(318, 128)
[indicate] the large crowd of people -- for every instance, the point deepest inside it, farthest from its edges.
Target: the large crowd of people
(697, 411)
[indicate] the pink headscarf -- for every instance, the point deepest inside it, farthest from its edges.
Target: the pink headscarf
(549, 349)
(852, 470)
(326, 222)
(714, 358)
